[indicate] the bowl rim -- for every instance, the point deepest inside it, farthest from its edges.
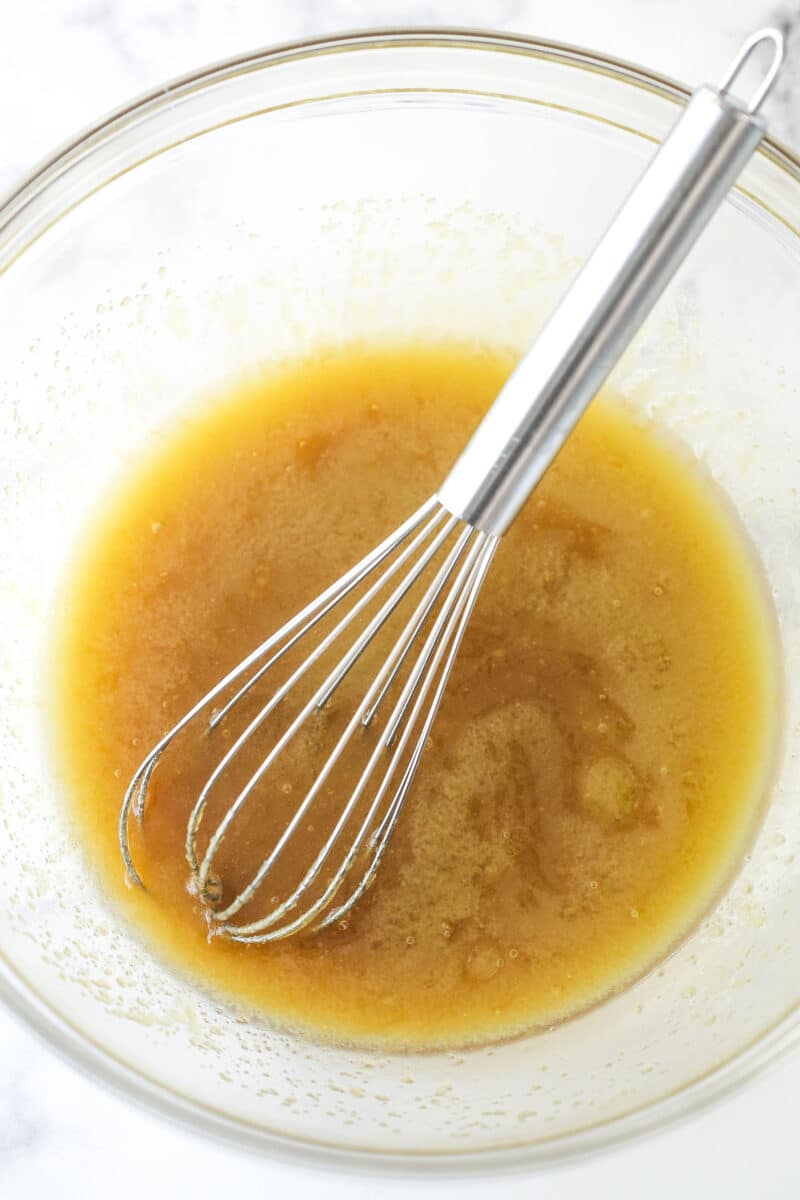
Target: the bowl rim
(72, 1044)
(46, 172)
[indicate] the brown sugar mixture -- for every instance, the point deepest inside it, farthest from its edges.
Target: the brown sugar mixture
(600, 757)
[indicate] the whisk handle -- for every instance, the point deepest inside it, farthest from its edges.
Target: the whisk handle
(616, 288)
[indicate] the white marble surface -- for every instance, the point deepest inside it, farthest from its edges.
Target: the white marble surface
(64, 62)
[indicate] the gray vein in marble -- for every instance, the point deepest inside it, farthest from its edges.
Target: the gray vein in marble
(786, 97)
(20, 1120)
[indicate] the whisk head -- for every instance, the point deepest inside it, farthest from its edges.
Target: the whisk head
(434, 554)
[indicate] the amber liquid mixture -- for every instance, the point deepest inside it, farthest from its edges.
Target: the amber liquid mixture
(597, 765)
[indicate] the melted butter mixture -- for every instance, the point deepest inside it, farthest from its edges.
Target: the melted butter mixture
(598, 762)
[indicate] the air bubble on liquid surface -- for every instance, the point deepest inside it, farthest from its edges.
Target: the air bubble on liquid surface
(484, 960)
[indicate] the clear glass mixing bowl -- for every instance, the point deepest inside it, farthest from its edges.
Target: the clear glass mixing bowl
(419, 184)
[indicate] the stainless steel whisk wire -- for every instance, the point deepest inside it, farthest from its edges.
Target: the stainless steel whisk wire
(425, 533)
(461, 525)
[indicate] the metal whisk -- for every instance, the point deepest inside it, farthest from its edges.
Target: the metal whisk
(453, 538)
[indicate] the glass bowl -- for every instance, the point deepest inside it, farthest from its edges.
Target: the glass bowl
(384, 185)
